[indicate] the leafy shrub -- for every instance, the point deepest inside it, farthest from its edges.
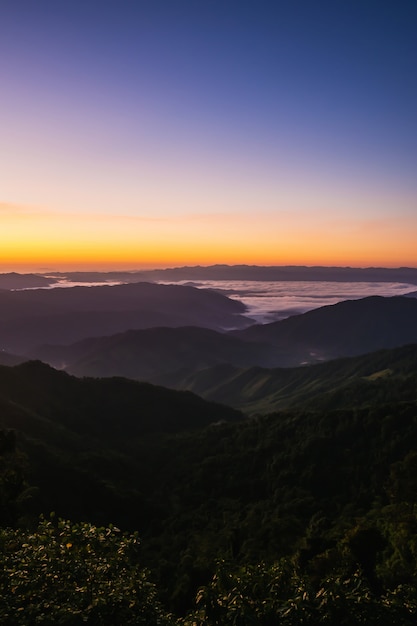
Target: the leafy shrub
(272, 595)
(72, 574)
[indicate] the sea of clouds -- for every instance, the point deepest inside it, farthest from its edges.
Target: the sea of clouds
(270, 301)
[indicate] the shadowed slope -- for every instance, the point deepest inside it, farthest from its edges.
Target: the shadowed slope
(345, 329)
(30, 318)
(154, 352)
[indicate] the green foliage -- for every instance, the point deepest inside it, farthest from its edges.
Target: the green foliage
(267, 595)
(73, 574)
(255, 594)
(376, 378)
(334, 490)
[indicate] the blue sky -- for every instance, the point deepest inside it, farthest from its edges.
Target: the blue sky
(293, 120)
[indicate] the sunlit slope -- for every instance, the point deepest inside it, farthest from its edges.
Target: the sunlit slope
(379, 377)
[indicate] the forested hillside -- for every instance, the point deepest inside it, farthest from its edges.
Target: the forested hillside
(383, 376)
(317, 499)
(87, 441)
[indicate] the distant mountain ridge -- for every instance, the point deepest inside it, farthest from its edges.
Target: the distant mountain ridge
(173, 357)
(63, 316)
(258, 272)
(284, 273)
(15, 280)
(152, 353)
(347, 328)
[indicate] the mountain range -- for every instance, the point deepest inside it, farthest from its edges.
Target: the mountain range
(14, 280)
(254, 272)
(316, 462)
(343, 329)
(29, 318)
(205, 360)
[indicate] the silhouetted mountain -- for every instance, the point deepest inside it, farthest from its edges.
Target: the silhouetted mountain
(14, 280)
(155, 353)
(250, 272)
(66, 315)
(103, 408)
(284, 273)
(88, 440)
(10, 359)
(179, 357)
(103, 277)
(348, 328)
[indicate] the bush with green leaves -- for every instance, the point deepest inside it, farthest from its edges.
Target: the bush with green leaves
(272, 595)
(72, 574)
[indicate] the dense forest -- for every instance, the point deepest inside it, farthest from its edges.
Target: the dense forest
(186, 512)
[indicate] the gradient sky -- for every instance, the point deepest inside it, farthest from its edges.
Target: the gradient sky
(167, 132)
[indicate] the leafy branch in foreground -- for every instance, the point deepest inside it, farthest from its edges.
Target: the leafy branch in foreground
(268, 595)
(73, 574)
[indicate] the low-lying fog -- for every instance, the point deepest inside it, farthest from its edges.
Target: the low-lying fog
(269, 301)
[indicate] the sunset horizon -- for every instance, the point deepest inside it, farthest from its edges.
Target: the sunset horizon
(152, 135)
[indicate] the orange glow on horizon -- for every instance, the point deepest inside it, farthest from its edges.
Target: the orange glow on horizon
(107, 258)
(39, 240)
(130, 262)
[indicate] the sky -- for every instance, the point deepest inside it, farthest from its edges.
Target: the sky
(153, 133)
